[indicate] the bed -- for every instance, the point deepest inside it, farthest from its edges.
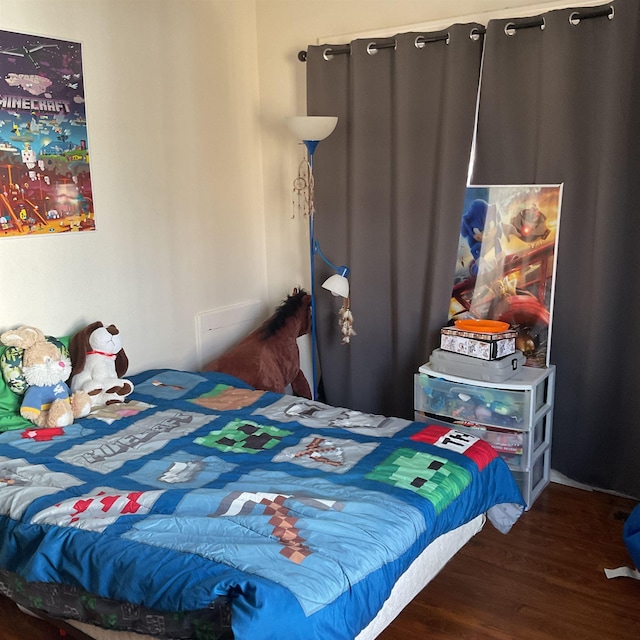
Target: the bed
(203, 508)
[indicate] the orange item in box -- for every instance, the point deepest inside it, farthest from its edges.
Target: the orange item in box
(482, 326)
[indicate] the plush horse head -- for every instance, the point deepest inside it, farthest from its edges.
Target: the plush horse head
(293, 316)
(268, 358)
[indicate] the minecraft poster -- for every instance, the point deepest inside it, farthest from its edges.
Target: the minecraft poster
(507, 261)
(45, 180)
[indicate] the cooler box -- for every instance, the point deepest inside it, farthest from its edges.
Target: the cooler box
(457, 364)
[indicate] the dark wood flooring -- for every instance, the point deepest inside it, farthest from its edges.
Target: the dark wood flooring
(543, 581)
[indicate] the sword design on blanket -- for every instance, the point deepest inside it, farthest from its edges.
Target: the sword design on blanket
(284, 524)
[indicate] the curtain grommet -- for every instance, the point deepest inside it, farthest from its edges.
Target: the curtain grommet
(372, 49)
(475, 34)
(327, 55)
(511, 28)
(421, 41)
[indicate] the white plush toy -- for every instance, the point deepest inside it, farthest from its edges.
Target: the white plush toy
(99, 362)
(47, 401)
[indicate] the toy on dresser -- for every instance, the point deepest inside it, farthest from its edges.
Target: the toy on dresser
(455, 400)
(99, 362)
(41, 374)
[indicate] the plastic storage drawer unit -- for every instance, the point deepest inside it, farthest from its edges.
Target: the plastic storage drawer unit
(514, 416)
(467, 402)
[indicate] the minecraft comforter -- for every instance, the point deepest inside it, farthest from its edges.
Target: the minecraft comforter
(302, 514)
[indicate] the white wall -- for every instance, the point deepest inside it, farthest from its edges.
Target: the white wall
(174, 137)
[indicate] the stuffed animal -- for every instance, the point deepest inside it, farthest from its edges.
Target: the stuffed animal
(47, 400)
(99, 362)
(268, 358)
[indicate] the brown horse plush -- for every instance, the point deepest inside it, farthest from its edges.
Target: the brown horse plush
(269, 358)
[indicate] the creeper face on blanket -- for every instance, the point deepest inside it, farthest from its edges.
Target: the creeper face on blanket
(47, 401)
(99, 362)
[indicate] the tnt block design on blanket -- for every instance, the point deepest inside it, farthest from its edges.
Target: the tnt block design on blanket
(243, 436)
(224, 397)
(435, 478)
(451, 440)
(331, 454)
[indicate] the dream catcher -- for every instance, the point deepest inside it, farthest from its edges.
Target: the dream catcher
(303, 188)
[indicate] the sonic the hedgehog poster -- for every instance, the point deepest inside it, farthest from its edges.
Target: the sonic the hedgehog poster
(506, 261)
(45, 181)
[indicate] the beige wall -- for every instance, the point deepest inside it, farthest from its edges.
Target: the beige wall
(191, 163)
(171, 92)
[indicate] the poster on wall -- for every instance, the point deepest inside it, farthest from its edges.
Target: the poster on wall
(45, 180)
(506, 262)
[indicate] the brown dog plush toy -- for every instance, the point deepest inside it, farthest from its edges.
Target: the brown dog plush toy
(99, 362)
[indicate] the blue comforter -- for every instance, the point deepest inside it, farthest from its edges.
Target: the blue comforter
(199, 485)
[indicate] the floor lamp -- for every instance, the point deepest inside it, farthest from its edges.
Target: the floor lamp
(311, 130)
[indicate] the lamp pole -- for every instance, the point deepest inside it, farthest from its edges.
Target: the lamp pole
(312, 129)
(311, 147)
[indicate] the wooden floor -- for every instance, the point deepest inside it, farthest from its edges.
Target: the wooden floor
(544, 580)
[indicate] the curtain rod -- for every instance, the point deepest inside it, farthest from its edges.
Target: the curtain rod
(511, 27)
(374, 46)
(575, 18)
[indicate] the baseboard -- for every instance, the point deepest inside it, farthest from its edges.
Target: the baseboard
(559, 478)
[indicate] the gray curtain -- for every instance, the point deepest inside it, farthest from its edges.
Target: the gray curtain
(561, 104)
(389, 189)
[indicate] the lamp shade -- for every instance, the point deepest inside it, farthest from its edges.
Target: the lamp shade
(312, 127)
(337, 284)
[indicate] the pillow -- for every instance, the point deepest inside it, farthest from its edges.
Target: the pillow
(13, 385)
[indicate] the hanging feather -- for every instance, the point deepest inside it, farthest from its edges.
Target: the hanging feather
(345, 320)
